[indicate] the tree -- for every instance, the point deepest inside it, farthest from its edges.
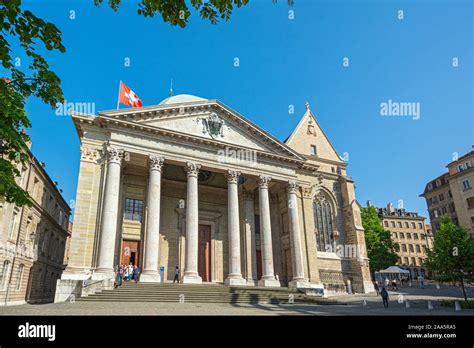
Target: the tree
(176, 12)
(381, 250)
(452, 255)
(38, 80)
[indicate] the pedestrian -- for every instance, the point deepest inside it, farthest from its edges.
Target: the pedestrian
(120, 275)
(125, 272)
(376, 287)
(136, 272)
(387, 282)
(384, 295)
(176, 274)
(394, 284)
(130, 271)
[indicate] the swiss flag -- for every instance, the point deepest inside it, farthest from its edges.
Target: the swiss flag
(128, 97)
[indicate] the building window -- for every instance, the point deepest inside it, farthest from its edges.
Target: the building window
(4, 274)
(406, 262)
(420, 225)
(413, 261)
(402, 235)
(424, 248)
(418, 249)
(408, 235)
(133, 209)
(415, 236)
(19, 277)
(470, 202)
(385, 223)
(404, 247)
(392, 223)
(13, 225)
(435, 212)
(468, 164)
(323, 222)
(450, 194)
(423, 236)
(406, 225)
(430, 186)
(466, 184)
(460, 168)
(399, 224)
(313, 151)
(410, 248)
(395, 235)
(438, 183)
(441, 197)
(413, 225)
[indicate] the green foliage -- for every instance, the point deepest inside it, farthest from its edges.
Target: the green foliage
(176, 12)
(381, 250)
(452, 255)
(36, 80)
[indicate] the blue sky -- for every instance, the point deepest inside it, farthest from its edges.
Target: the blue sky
(283, 62)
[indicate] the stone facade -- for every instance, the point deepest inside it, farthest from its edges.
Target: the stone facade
(33, 239)
(452, 194)
(192, 183)
(413, 237)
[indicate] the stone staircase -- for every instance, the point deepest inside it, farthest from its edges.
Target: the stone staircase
(202, 293)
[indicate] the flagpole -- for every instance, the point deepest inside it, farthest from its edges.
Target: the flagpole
(118, 98)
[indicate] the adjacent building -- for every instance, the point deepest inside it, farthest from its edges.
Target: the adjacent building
(409, 231)
(192, 183)
(452, 194)
(32, 239)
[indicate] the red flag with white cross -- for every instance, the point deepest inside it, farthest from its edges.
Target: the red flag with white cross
(128, 97)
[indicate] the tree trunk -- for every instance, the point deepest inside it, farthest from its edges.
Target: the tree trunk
(463, 289)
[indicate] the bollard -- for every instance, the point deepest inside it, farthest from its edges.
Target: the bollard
(430, 305)
(457, 306)
(364, 303)
(407, 304)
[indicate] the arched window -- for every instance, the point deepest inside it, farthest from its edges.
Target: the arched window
(323, 220)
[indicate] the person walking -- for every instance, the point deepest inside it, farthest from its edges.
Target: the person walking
(130, 271)
(384, 295)
(376, 287)
(136, 272)
(119, 275)
(176, 274)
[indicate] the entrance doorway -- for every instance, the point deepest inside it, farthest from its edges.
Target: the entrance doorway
(130, 252)
(259, 264)
(204, 252)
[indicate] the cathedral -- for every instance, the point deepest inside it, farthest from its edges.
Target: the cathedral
(193, 184)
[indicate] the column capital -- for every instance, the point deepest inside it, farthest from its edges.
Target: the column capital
(192, 169)
(232, 176)
(156, 162)
(292, 186)
(263, 181)
(113, 154)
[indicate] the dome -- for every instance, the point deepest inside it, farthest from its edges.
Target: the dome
(181, 98)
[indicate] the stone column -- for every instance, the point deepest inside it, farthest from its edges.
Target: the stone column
(268, 276)
(299, 279)
(235, 274)
(152, 247)
(191, 274)
(250, 241)
(105, 264)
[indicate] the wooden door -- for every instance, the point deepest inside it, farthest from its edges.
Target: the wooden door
(204, 252)
(130, 252)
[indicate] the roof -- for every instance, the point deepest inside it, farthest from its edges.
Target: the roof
(461, 158)
(181, 98)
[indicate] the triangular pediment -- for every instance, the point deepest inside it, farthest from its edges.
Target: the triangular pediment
(210, 120)
(309, 133)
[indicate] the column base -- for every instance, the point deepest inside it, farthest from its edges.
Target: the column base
(150, 277)
(299, 283)
(271, 283)
(192, 278)
(239, 281)
(252, 282)
(103, 273)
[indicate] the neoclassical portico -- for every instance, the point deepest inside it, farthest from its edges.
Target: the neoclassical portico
(190, 183)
